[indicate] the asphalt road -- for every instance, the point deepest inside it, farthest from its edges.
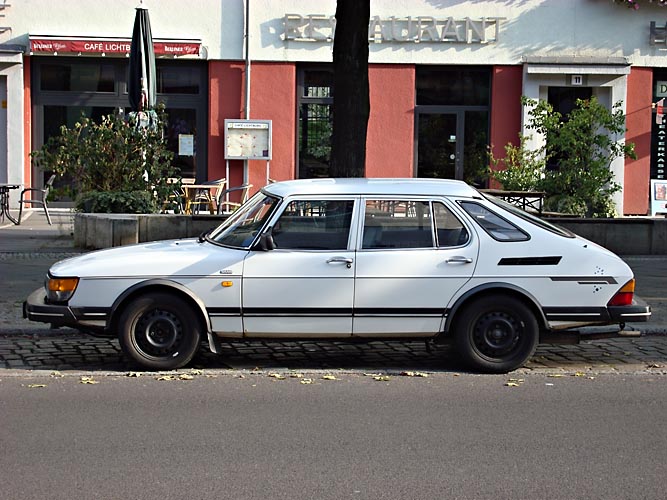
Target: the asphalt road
(258, 437)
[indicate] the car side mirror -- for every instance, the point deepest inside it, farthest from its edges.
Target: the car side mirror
(266, 242)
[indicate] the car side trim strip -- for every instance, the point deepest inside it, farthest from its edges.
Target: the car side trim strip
(530, 261)
(586, 280)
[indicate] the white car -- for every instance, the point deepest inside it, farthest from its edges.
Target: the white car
(356, 259)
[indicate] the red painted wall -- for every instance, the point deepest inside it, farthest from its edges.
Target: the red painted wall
(390, 137)
(273, 97)
(225, 100)
(506, 85)
(638, 122)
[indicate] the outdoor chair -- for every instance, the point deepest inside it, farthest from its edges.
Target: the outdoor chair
(206, 196)
(37, 197)
(175, 201)
(225, 205)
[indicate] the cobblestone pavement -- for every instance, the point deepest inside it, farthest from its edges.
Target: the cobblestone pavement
(69, 350)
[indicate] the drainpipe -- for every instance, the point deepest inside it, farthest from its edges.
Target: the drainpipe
(247, 80)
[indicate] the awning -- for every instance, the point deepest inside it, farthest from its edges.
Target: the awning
(544, 65)
(68, 45)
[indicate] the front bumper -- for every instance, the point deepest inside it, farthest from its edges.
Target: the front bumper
(36, 308)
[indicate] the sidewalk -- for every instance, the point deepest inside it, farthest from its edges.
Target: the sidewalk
(28, 250)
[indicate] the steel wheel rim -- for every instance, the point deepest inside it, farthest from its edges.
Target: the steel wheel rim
(496, 335)
(158, 334)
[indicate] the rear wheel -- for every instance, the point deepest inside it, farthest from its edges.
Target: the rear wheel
(496, 334)
(159, 331)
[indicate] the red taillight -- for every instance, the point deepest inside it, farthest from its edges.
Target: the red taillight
(624, 296)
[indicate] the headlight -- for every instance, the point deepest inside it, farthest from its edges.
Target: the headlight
(60, 289)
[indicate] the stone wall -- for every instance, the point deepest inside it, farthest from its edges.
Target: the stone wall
(624, 236)
(96, 231)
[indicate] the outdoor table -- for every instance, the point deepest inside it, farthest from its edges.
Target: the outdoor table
(4, 201)
(193, 193)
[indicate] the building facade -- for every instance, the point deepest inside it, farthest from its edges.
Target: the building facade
(446, 80)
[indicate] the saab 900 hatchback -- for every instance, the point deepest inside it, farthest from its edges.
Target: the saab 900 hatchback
(355, 259)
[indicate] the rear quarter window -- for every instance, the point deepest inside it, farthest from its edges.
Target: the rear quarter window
(498, 228)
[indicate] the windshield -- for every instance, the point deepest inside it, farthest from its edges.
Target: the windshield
(242, 227)
(529, 217)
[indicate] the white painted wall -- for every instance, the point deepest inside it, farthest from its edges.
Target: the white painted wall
(584, 28)
(11, 72)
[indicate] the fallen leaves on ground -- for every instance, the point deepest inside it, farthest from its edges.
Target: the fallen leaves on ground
(36, 386)
(329, 377)
(414, 374)
(88, 380)
(306, 381)
(277, 376)
(382, 378)
(56, 374)
(514, 382)
(133, 374)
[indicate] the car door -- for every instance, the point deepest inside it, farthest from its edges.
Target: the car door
(414, 254)
(305, 286)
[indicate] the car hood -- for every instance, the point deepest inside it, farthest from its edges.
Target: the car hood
(186, 257)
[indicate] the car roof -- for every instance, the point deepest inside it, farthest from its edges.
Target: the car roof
(359, 186)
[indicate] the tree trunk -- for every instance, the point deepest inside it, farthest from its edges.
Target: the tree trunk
(351, 98)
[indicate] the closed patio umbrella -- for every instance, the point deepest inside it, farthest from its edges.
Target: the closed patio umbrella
(141, 82)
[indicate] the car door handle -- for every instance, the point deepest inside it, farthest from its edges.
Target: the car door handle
(341, 260)
(459, 259)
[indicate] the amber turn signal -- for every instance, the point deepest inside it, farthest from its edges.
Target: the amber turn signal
(61, 289)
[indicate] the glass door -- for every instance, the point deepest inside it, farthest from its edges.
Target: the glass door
(439, 145)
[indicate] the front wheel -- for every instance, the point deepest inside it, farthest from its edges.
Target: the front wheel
(159, 331)
(496, 334)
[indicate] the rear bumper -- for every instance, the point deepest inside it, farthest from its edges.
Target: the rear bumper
(637, 312)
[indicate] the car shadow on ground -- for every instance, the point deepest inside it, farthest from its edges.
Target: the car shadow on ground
(69, 350)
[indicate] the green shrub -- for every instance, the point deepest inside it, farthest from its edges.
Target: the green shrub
(116, 202)
(113, 157)
(583, 144)
(523, 168)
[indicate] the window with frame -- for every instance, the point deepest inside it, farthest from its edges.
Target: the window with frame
(314, 225)
(315, 121)
(65, 87)
(397, 224)
(449, 230)
(498, 228)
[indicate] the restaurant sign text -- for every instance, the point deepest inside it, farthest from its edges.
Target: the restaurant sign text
(424, 29)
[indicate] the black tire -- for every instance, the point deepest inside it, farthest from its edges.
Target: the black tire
(496, 334)
(159, 331)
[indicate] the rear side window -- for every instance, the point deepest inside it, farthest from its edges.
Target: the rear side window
(497, 227)
(397, 224)
(449, 231)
